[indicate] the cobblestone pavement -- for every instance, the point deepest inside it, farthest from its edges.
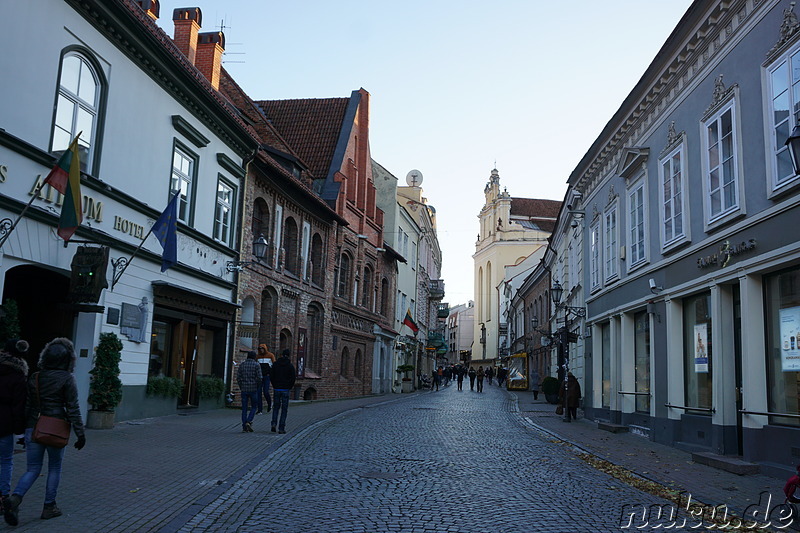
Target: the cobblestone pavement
(448, 461)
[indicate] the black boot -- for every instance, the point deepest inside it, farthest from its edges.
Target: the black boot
(50, 510)
(11, 509)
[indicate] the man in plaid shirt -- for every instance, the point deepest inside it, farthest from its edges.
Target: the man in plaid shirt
(248, 376)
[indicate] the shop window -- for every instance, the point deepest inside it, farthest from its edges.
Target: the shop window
(783, 345)
(641, 322)
(697, 351)
(159, 349)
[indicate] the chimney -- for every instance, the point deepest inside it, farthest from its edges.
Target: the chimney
(187, 24)
(151, 7)
(209, 56)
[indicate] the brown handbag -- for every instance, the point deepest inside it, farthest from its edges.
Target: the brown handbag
(49, 430)
(560, 410)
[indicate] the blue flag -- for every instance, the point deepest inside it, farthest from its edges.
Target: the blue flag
(166, 231)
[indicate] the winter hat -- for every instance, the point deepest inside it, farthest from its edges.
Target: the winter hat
(16, 347)
(251, 355)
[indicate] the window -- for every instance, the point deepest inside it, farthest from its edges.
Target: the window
(697, 351)
(278, 237)
(784, 92)
(223, 213)
(782, 297)
(260, 222)
(672, 186)
(594, 256)
(366, 293)
(77, 107)
(317, 268)
(290, 246)
(606, 363)
(385, 297)
(314, 323)
(184, 170)
(636, 220)
(344, 369)
(721, 172)
(413, 259)
(344, 276)
(611, 255)
(641, 348)
(304, 250)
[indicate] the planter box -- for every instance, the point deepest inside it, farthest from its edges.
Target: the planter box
(408, 386)
(100, 419)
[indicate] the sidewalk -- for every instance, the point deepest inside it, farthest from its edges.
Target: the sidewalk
(663, 464)
(152, 474)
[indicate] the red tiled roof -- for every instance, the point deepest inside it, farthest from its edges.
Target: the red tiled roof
(311, 125)
(535, 208)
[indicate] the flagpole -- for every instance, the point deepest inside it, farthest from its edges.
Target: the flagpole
(124, 263)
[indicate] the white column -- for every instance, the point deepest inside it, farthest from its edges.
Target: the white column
(597, 366)
(627, 363)
(675, 376)
(754, 357)
(723, 363)
(615, 400)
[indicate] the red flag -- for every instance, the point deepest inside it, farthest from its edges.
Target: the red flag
(66, 179)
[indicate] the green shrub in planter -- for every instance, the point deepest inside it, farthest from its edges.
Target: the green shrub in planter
(164, 386)
(105, 387)
(550, 385)
(210, 387)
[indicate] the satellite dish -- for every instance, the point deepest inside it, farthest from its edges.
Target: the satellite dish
(414, 178)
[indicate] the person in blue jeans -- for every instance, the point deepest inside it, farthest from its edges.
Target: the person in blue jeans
(283, 377)
(248, 377)
(52, 392)
(13, 392)
(265, 360)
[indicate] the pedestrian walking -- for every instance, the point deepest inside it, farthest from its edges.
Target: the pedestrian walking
(501, 376)
(448, 374)
(51, 392)
(248, 377)
(283, 378)
(535, 379)
(792, 485)
(570, 398)
(13, 393)
(437, 378)
(472, 375)
(265, 361)
(460, 377)
(479, 376)
(489, 374)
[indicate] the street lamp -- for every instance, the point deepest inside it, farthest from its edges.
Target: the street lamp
(260, 246)
(564, 338)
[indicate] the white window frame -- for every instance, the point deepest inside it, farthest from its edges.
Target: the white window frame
(669, 175)
(726, 213)
(73, 107)
(183, 179)
(594, 256)
(611, 243)
(637, 251)
(304, 251)
(278, 234)
(776, 134)
(222, 231)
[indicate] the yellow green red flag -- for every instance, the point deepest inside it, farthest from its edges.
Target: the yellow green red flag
(66, 179)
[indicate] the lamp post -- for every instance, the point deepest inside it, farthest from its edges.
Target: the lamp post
(564, 338)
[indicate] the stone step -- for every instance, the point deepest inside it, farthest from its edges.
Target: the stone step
(724, 462)
(613, 428)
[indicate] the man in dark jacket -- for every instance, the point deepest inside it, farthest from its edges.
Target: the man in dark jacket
(248, 377)
(13, 373)
(283, 377)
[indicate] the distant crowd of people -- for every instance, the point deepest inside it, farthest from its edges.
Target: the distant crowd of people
(443, 375)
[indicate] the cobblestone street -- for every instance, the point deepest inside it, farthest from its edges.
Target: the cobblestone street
(448, 461)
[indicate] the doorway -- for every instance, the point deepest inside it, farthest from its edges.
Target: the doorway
(737, 356)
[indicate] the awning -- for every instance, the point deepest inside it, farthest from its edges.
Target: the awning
(176, 297)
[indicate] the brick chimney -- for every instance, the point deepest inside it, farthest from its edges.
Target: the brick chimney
(187, 25)
(210, 47)
(151, 7)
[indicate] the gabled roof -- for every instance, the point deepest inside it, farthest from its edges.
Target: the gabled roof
(312, 125)
(538, 214)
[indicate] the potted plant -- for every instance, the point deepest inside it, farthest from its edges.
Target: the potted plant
(105, 387)
(408, 384)
(210, 388)
(550, 389)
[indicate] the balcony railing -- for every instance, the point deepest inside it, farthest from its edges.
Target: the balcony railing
(443, 310)
(436, 289)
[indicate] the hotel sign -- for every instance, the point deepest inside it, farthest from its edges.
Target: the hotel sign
(727, 250)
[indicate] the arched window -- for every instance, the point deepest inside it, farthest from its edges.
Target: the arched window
(290, 246)
(385, 297)
(259, 223)
(269, 310)
(314, 326)
(366, 291)
(345, 367)
(358, 364)
(80, 91)
(317, 266)
(246, 329)
(344, 275)
(285, 342)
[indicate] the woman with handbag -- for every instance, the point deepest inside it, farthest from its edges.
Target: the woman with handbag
(52, 406)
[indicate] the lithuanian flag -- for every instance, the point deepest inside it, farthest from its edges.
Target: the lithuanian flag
(409, 321)
(66, 179)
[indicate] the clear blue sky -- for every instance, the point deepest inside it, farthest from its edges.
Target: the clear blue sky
(455, 85)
